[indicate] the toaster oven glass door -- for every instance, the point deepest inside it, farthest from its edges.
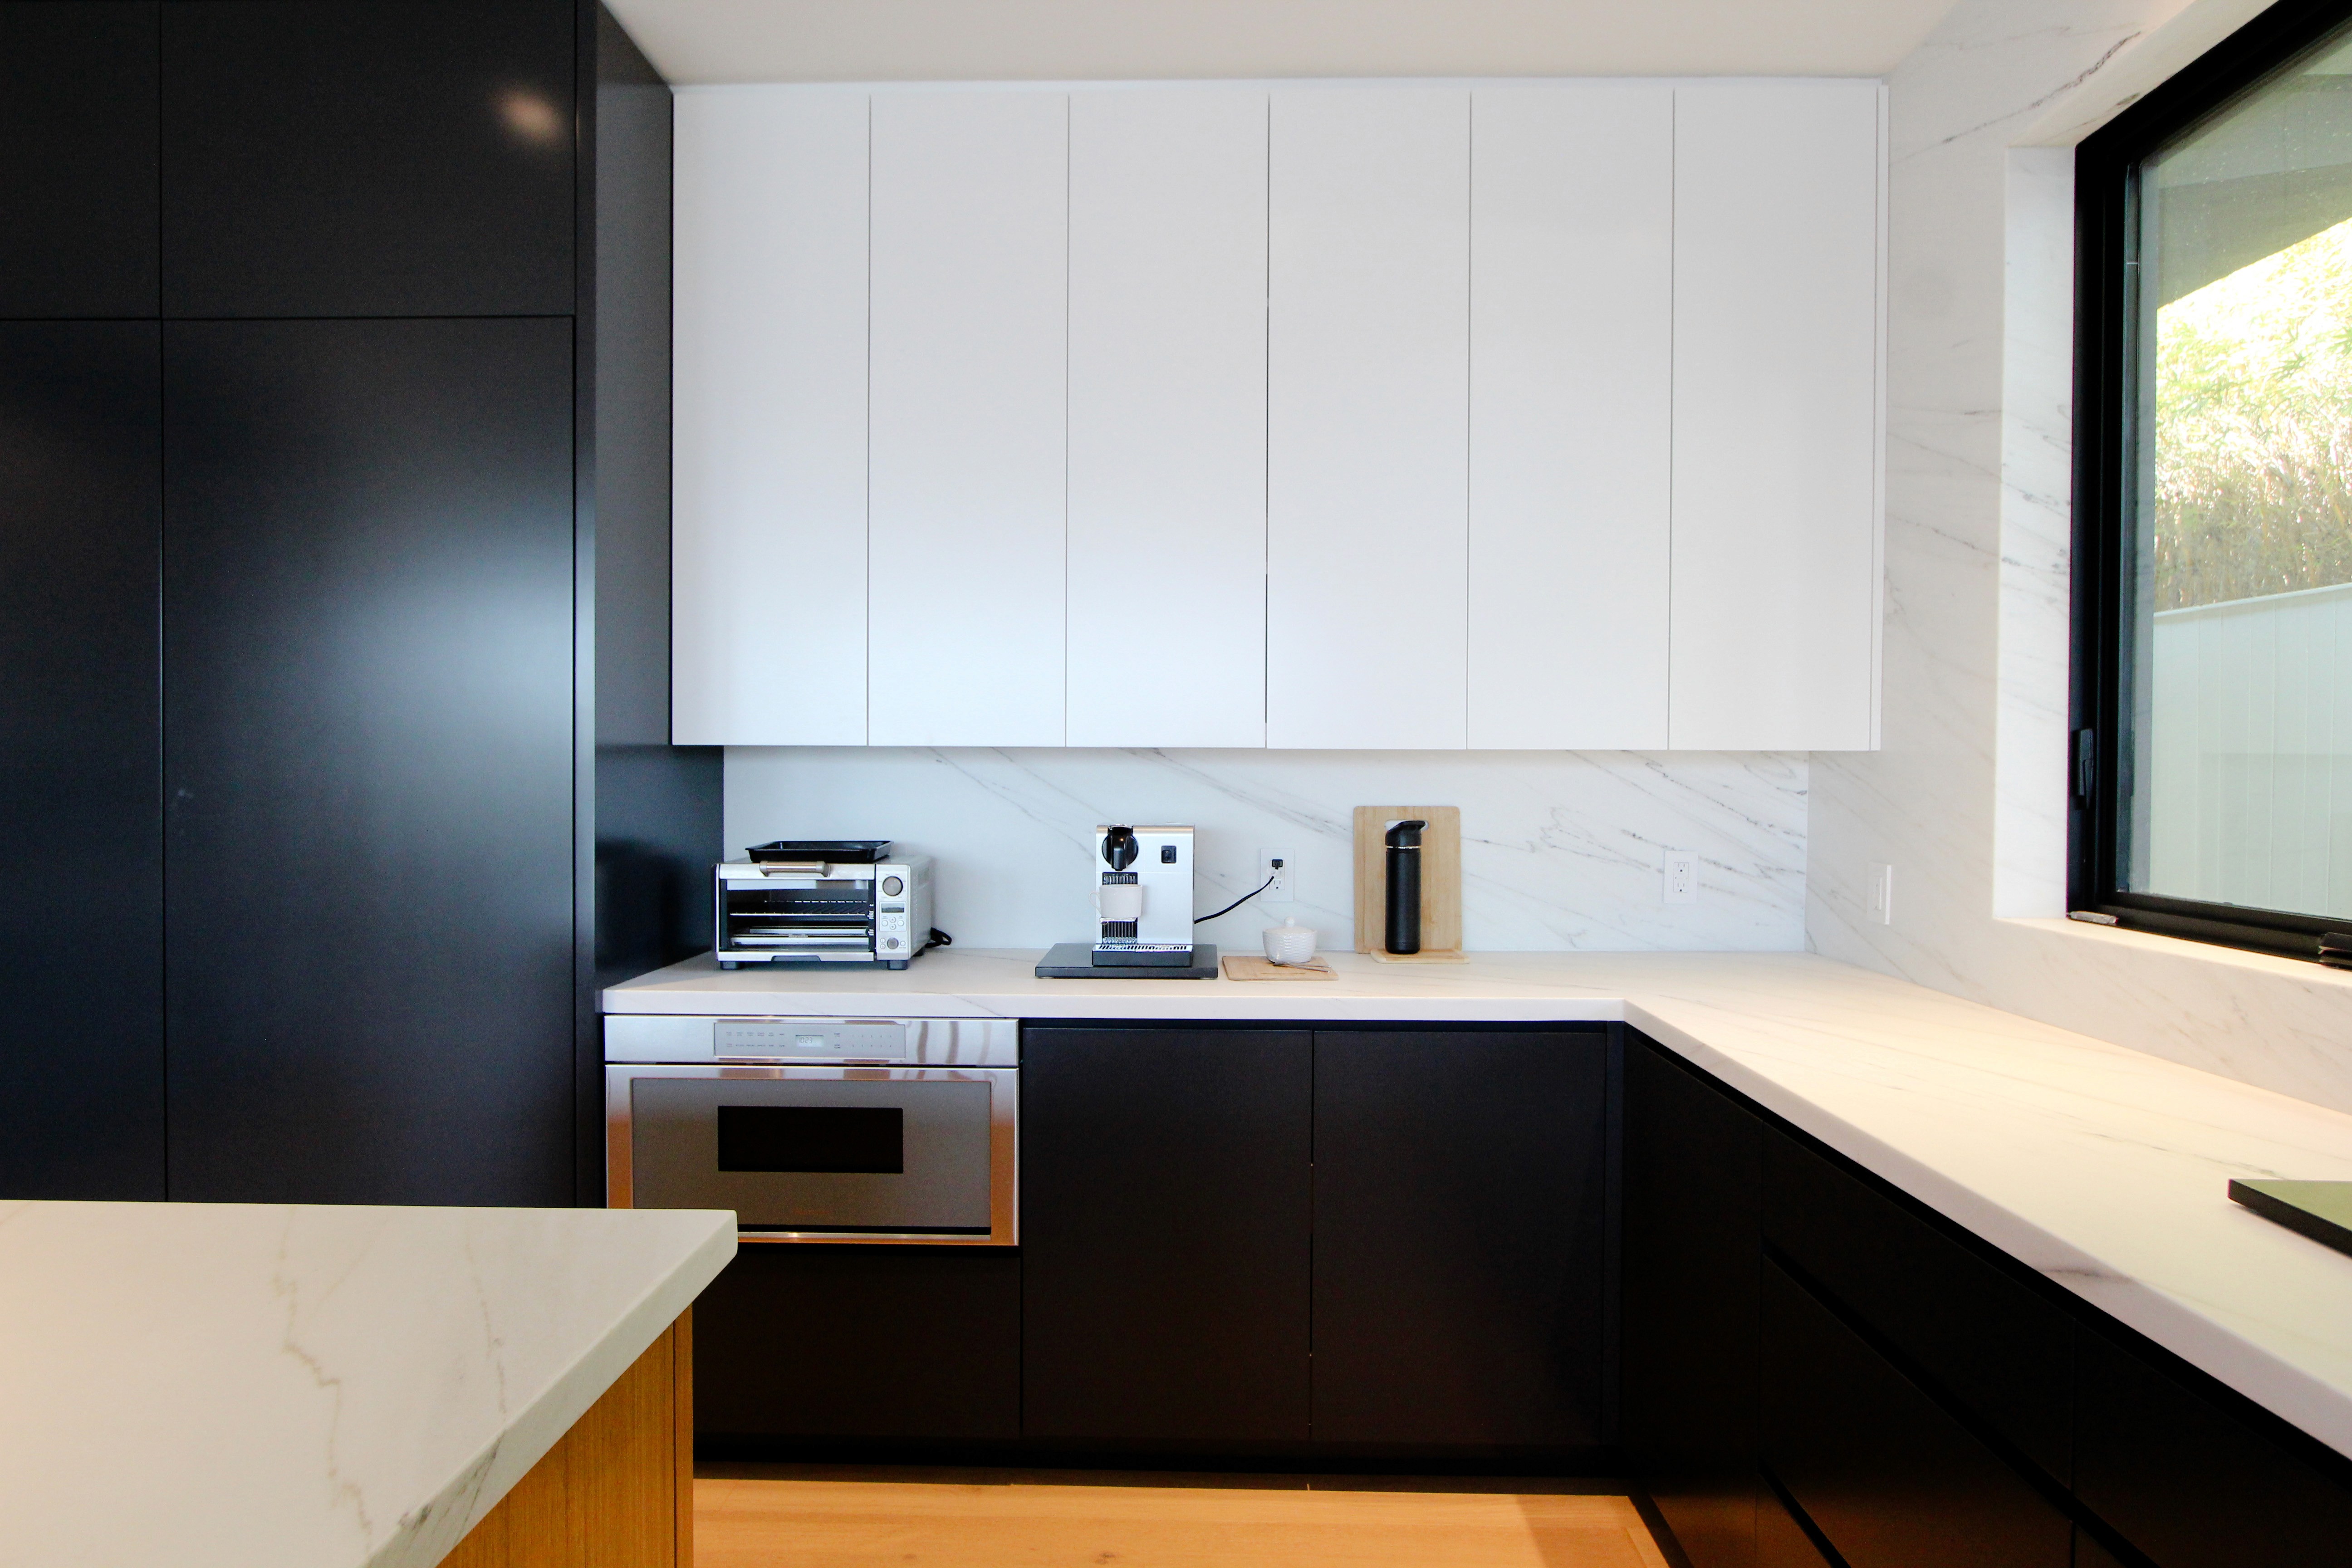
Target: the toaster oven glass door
(821, 1153)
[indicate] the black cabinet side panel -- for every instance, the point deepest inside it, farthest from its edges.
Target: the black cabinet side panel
(1165, 1204)
(2188, 1482)
(1460, 1239)
(368, 157)
(79, 149)
(81, 901)
(1995, 1347)
(1781, 1540)
(1891, 1479)
(368, 743)
(1693, 1249)
(908, 1344)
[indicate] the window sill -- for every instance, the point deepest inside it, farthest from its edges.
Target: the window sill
(2177, 949)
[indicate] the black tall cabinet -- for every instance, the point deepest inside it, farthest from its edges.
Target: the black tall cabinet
(333, 674)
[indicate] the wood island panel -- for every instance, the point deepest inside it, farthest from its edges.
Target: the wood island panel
(618, 1490)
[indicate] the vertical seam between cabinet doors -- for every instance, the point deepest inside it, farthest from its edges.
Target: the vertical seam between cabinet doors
(1265, 467)
(1674, 283)
(162, 770)
(1469, 373)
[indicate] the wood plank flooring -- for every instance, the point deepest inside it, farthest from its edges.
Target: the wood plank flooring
(863, 1523)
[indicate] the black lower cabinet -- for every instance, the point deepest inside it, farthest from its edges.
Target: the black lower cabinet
(1461, 1256)
(1782, 1540)
(368, 735)
(1166, 1199)
(1889, 1477)
(805, 1350)
(2194, 1485)
(81, 901)
(1694, 1187)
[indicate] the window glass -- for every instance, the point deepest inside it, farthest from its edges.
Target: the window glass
(2237, 759)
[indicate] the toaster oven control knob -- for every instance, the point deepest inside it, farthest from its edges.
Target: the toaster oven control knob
(893, 886)
(891, 942)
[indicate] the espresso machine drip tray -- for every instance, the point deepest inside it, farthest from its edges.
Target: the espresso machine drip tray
(1082, 960)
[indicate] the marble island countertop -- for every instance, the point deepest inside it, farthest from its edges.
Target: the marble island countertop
(231, 1386)
(2103, 1168)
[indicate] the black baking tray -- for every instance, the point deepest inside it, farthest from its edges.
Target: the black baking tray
(833, 851)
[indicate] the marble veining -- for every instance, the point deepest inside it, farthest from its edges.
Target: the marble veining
(1969, 797)
(1560, 850)
(2104, 1167)
(233, 1385)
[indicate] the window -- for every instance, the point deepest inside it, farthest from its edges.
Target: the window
(2213, 495)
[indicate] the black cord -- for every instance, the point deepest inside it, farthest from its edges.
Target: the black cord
(939, 939)
(1245, 898)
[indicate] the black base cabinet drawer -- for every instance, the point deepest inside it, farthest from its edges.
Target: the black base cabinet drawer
(2192, 1486)
(798, 1345)
(1887, 1477)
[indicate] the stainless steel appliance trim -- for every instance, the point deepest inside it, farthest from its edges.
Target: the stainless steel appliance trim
(1003, 1141)
(693, 1037)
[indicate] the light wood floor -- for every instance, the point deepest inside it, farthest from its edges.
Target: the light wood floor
(863, 1524)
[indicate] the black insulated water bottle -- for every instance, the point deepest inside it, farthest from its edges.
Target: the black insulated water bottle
(1404, 887)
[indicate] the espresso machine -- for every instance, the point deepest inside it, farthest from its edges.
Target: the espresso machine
(1143, 904)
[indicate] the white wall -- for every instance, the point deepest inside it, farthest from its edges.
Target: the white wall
(1560, 850)
(1968, 798)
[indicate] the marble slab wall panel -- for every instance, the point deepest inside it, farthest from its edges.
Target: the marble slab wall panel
(1560, 850)
(1966, 799)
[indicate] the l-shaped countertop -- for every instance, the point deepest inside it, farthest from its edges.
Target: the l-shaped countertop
(2103, 1168)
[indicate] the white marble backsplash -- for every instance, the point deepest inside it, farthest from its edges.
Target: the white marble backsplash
(1560, 850)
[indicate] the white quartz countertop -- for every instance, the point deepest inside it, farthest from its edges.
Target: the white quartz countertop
(2103, 1168)
(235, 1385)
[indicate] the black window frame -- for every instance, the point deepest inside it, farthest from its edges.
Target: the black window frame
(2106, 308)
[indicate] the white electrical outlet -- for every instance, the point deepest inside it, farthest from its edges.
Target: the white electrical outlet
(1881, 894)
(1682, 878)
(1284, 878)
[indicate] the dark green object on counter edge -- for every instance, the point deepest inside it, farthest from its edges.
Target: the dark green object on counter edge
(2320, 1210)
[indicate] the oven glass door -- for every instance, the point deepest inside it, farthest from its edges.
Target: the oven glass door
(828, 1153)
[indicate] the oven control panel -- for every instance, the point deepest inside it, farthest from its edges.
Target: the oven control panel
(807, 1040)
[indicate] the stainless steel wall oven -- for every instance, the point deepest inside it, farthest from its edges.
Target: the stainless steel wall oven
(880, 1130)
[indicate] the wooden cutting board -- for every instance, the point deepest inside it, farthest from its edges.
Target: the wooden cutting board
(1441, 882)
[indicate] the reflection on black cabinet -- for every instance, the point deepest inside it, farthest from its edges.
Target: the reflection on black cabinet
(1693, 1224)
(1459, 1251)
(80, 928)
(1782, 1541)
(1164, 1211)
(78, 158)
(2194, 1486)
(1891, 1479)
(368, 734)
(1991, 1344)
(368, 157)
(799, 1344)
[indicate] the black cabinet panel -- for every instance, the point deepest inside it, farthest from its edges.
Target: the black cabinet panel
(909, 1344)
(79, 150)
(1460, 1253)
(1891, 1479)
(368, 736)
(368, 157)
(2191, 1484)
(1694, 1187)
(1998, 1350)
(1165, 1201)
(81, 901)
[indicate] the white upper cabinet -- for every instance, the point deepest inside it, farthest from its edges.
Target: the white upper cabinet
(1776, 526)
(1167, 474)
(1571, 414)
(968, 408)
(769, 449)
(1368, 394)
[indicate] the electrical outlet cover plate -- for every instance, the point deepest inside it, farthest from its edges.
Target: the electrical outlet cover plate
(1284, 889)
(1682, 878)
(1881, 894)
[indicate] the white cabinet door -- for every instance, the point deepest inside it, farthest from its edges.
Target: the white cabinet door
(768, 609)
(1571, 414)
(1166, 560)
(1368, 406)
(968, 322)
(1776, 524)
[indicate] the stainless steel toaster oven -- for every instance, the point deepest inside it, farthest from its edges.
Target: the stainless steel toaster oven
(838, 903)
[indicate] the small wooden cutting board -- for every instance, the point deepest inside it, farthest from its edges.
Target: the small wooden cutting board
(1239, 966)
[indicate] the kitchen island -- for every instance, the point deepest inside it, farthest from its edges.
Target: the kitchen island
(199, 1385)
